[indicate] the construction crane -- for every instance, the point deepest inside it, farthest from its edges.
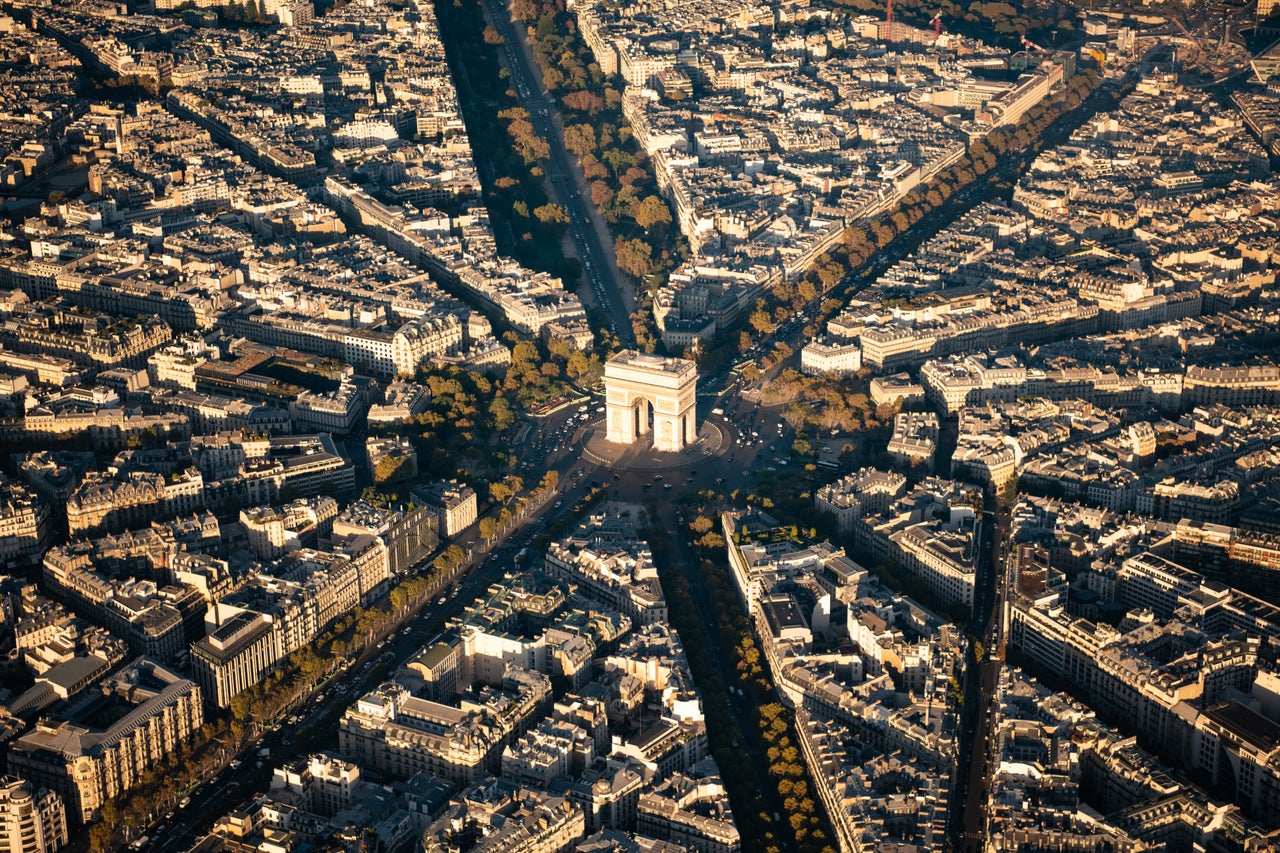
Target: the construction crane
(1028, 44)
(888, 20)
(937, 26)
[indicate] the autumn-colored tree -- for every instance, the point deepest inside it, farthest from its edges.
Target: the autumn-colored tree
(652, 211)
(601, 195)
(580, 139)
(584, 101)
(593, 168)
(761, 321)
(633, 176)
(635, 257)
(628, 198)
(828, 275)
(549, 213)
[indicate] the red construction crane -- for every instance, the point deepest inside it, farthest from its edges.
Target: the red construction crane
(1028, 44)
(888, 20)
(937, 26)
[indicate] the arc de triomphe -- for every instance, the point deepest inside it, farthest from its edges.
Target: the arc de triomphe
(636, 385)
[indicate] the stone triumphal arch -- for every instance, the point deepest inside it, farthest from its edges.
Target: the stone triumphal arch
(638, 387)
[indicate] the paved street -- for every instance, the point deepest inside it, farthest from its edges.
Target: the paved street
(557, 440)
(609, 287)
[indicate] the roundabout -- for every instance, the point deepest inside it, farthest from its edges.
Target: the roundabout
(711, 441)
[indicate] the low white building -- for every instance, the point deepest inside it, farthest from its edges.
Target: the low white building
(831, 357)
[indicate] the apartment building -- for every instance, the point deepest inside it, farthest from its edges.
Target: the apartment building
(109, 739)
(31, 821)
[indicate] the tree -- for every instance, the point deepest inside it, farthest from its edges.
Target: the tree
(584, 101)
(619, 161)
(392, 468)
(652, 211)
(761, 321)
(601, 194)
(499, 492)
(580, 139)
(488, 527)
(634, 175)
(492, 36)
(577, 365)
(635, 257)
(549, 213)
(501, 414)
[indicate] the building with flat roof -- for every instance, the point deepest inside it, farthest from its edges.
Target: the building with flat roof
(235, 656)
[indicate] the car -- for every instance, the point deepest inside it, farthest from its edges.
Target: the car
(440, 600)
(666, 485)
